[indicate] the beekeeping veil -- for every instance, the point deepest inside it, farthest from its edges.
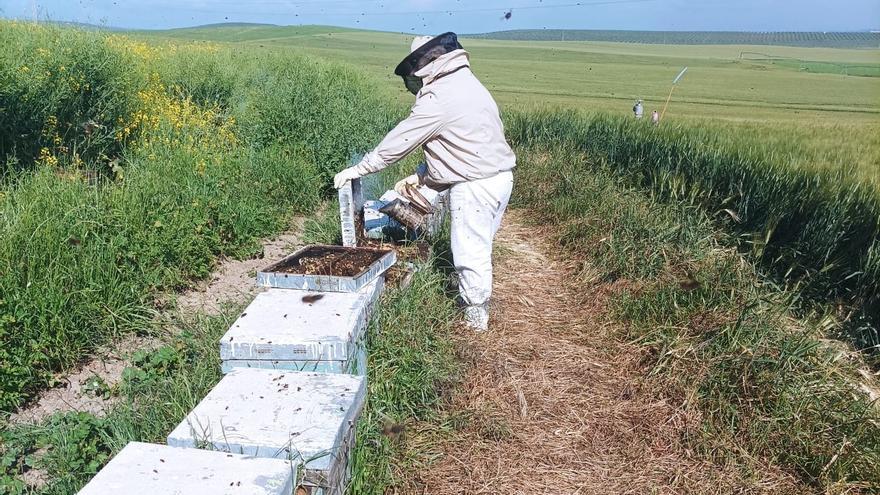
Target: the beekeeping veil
(425, 50)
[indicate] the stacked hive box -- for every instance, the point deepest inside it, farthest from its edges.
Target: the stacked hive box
(272, 422)
(284, 414)
(292, 330)
(308, 418)
(145, 469)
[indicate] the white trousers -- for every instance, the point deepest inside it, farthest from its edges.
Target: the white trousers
(476, 209)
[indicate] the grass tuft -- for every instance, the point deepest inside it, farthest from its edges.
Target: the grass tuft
(816, 231)
(766, 386)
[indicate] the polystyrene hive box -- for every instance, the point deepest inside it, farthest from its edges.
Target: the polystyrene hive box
(146, 469)
(278, 275)
(302, 331)
(307, 417)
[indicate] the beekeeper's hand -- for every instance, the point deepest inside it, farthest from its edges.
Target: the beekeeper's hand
(345, 176)
(413, 180)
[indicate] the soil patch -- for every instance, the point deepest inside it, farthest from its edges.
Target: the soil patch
(329, 260)
(87, 388)
(84, 389)
(553, 402)
(233, 280)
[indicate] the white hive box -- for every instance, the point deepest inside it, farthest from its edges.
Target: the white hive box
(278, 275)
(377, 224)
(146, 469)
(306, 417)
(302, 331)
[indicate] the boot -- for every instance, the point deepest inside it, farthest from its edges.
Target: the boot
(477, 317)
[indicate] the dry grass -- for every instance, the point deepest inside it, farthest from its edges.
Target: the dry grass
(553, 403)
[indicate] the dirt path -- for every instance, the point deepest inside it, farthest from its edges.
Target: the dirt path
(556, 405)
(231, 283)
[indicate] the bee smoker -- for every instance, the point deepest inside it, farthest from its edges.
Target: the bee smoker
(405, 214)
(412, 215)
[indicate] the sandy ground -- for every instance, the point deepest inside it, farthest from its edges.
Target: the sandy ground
(231, 283)
(555, 404)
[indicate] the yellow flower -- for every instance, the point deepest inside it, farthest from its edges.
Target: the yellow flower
(47, 158)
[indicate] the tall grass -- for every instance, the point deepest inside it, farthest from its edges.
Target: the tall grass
(62, 92)
(411, 362)
(759, 385)
(817, 231)
(155, 394)
(134, 174)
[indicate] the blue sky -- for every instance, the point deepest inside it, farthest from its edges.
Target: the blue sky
(433, 16)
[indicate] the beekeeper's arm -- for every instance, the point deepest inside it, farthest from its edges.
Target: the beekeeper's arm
(424, 123)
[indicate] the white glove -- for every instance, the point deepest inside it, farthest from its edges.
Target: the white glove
(413, 180)
(345, 176)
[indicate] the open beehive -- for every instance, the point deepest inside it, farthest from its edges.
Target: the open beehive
(328, 268)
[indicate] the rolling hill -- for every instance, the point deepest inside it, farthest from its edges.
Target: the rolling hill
(800, 39)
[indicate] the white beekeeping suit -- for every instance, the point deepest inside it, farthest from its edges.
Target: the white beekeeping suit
(457, 124)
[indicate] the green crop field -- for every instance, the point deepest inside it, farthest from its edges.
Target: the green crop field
(810, 117)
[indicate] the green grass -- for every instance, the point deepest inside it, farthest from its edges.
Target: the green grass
(52, 83)
(817, 232)
(763, 60)
(829, 119)
(604, 76)
(196, 151)
(763, 387)
(218, 144)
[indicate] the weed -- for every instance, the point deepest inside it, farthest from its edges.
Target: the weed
(766, 386)
(814, 231)
(149, 174)
(411, 363)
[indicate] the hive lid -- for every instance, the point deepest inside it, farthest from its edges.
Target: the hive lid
(281, 414)
(291, 325)
(146, 469)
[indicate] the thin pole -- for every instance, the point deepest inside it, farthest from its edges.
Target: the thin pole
(667, 102)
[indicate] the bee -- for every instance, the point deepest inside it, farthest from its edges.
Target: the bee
(312, 299)
(690, 283)
(393, 430)
(90, 127)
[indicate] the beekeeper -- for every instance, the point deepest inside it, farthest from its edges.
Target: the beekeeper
(638, 109)
(457, 124)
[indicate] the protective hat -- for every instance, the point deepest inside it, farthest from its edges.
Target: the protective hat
(424, 51)
(418, 42)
